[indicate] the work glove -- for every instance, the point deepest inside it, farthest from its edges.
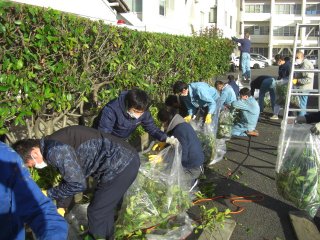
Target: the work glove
(155, 158)
(172, 140)
(315, 129)
(208, 118)
(61, 211)
(294, 81)
(159, 146)
(188, 118)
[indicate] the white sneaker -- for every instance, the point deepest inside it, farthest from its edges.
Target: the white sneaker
(274, 117)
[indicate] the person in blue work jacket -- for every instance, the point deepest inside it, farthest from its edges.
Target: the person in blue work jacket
(249, 110)
(192, 154)
(121, 116)
(227, 95)
(265, 84)
(245, 55)
(22, 202)
(78, 152)
(197, 95)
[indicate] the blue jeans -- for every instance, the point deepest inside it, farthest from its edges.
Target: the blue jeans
(245, 65)
(268, 85)
(303, 100)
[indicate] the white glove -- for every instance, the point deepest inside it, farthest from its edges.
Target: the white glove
(172, 140)
(301, 119)
(315, 129)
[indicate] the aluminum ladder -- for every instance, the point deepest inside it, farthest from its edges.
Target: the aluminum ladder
(288, 121)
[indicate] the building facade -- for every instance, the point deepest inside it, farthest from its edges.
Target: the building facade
(272, 25)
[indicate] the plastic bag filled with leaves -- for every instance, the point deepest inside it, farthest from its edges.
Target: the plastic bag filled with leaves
(225, 124)
(213, 149)
(281, 94)
(298, 168)
(207, 139)
(158, 193)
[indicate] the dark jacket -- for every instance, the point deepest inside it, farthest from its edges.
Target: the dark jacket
(22, 202)
(79, 152)
(245, 44)
(284, 70)
(313, 117)
(115, 120)
(192, 153)
(235, 87)
(256, 83)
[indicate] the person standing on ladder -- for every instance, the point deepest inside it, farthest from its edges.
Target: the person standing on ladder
(303, 80)
(245, 56)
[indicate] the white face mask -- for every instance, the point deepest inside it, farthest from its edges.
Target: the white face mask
(132, 115)
(39, 165)
(298, 61)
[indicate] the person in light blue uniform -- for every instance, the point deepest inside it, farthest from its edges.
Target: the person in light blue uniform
(227, 95)
(197, 95)
(245, 55)
(22, 202)
(250, 110)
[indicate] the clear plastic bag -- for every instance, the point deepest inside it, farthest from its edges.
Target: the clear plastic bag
(298, 168)
(213, 149)
(158, 193)
(176, 228)
(225, 124)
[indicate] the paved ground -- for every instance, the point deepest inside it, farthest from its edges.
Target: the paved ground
(253, 173)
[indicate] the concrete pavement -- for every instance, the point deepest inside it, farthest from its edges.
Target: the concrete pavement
(249, 170)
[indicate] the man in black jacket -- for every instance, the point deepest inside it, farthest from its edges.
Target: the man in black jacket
(79, 152)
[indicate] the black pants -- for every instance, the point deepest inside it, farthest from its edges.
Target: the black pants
(101, 209)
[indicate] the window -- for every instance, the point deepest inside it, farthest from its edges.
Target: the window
(257, 30)
(284, 31)
(288, 8)
(313, 9)
(262, 51)
(312, 32)
(213, 15)
(257, 8)
(230, 22)
(134, 5)
(162, 7)
(226, 18)
(286, 52)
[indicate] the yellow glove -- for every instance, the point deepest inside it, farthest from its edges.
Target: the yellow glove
(208, 119)
(61, 211)
(44, 192)
(155, 158)
(159, 146)
(188, 118)
(294, 81)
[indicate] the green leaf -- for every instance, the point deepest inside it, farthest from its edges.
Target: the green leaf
(18, 22)
(19, 64)
(4, 88)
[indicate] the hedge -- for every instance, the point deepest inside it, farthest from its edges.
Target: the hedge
(52, 64)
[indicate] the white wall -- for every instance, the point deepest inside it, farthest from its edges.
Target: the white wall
(93, 9)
